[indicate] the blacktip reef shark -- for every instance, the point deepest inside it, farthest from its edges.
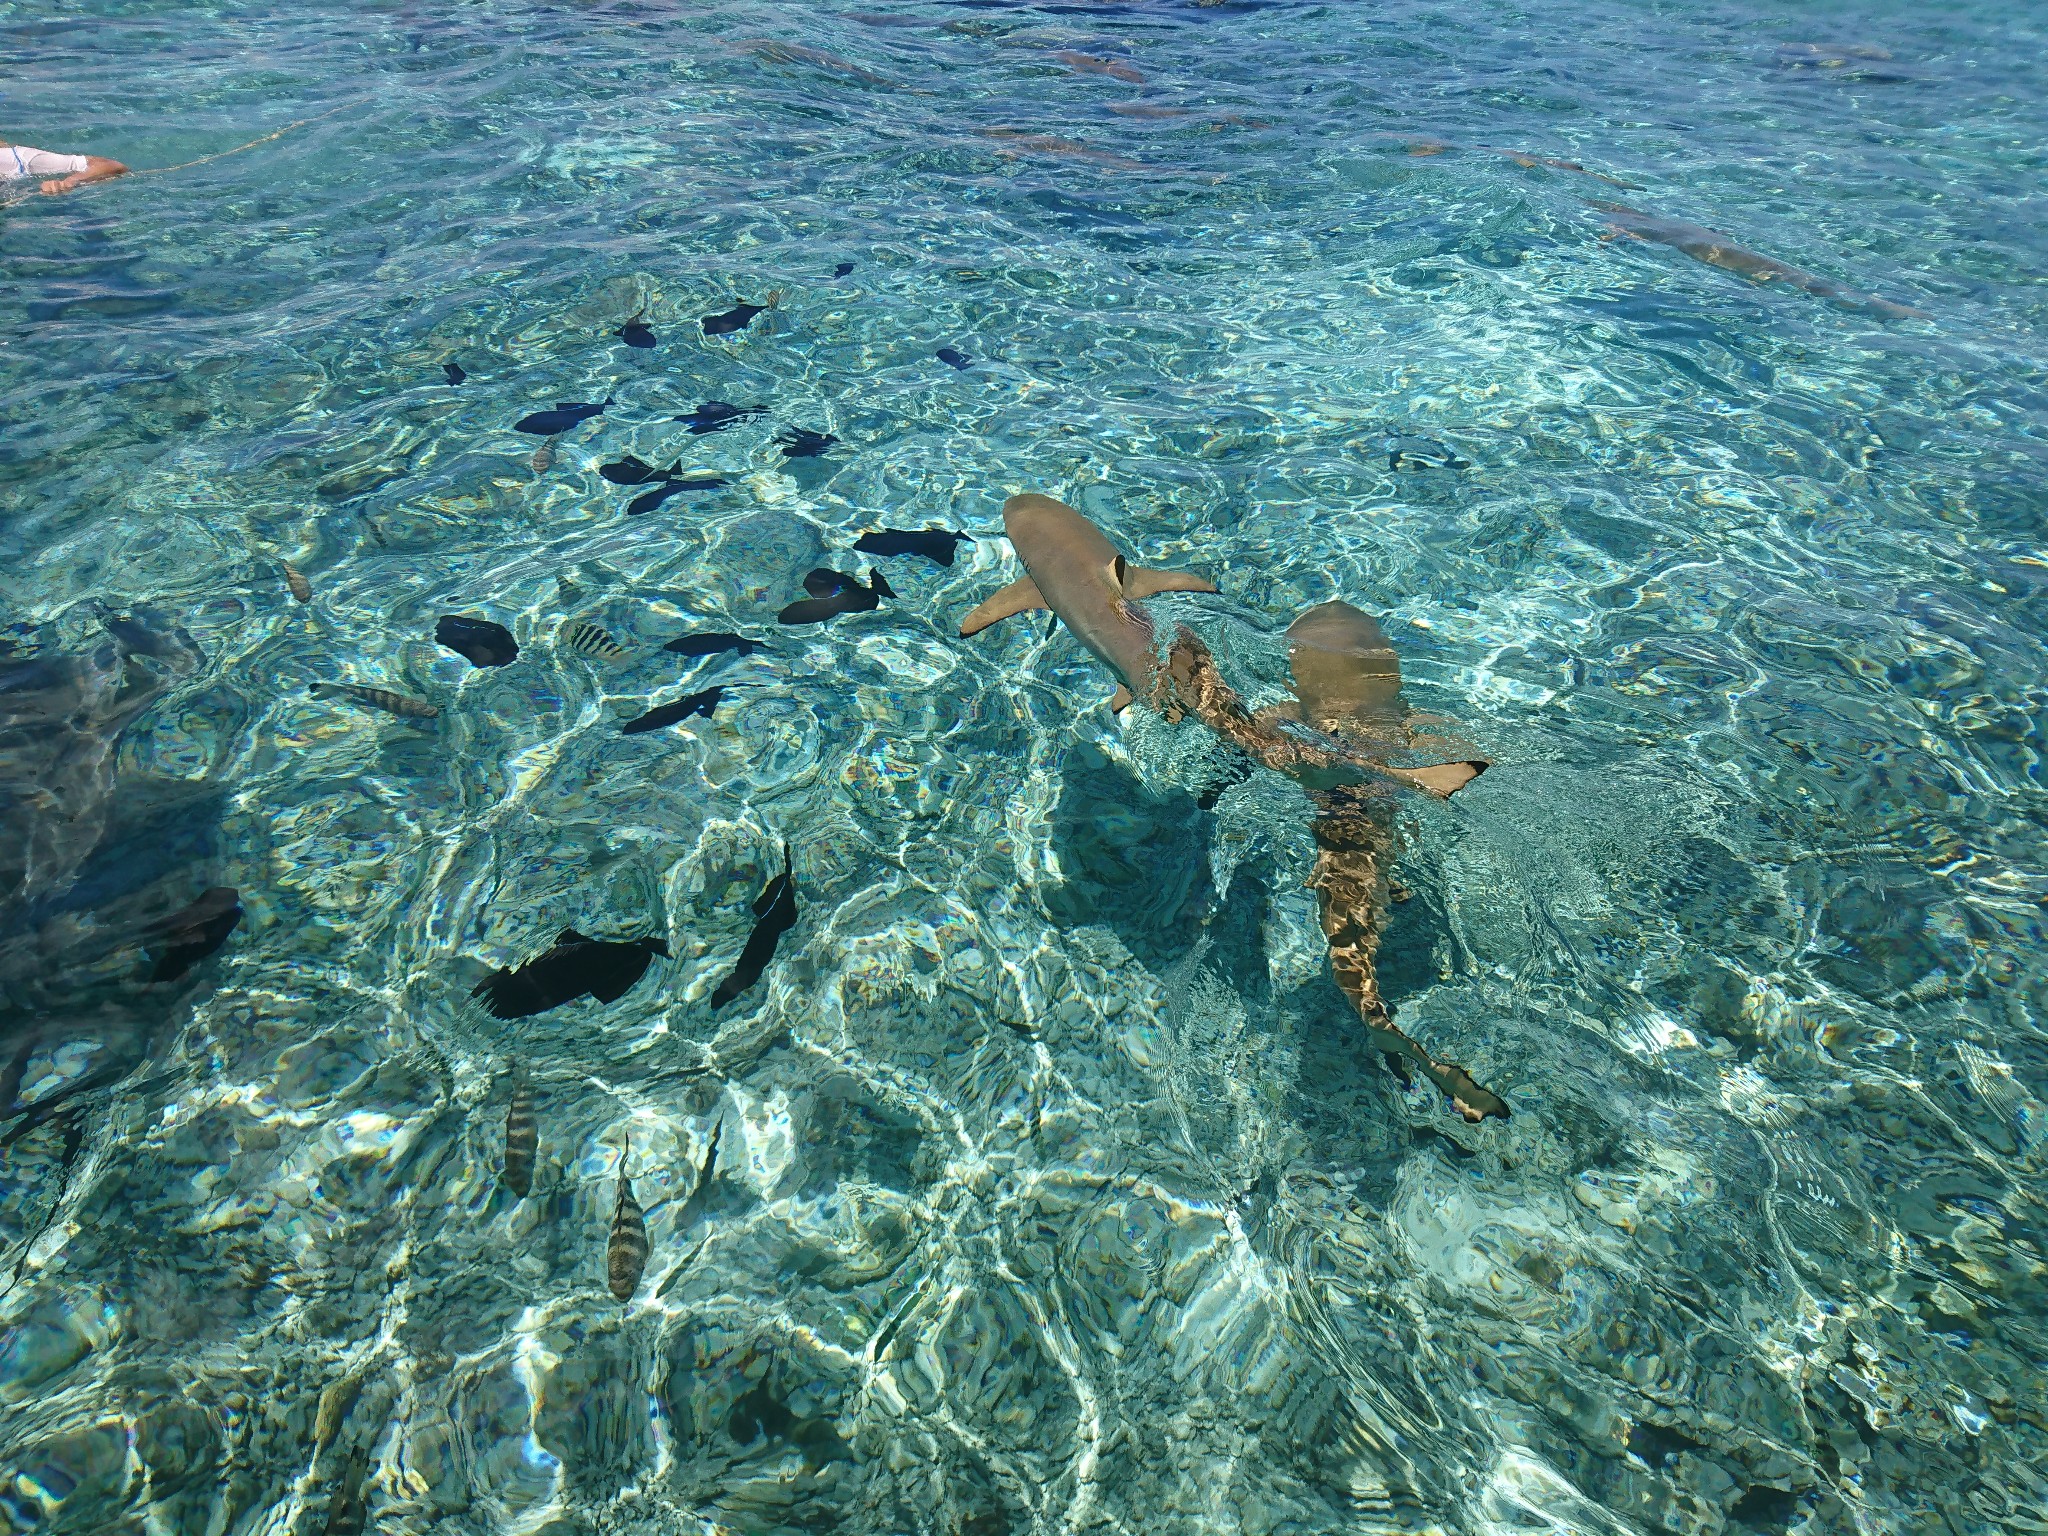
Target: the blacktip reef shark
(1348, 681)
(1717, 250)
(1346, 676)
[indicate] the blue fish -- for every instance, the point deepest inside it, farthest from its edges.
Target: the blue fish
(713, 644)
(801, 444)
(953, 358)
(453, 372)
(716, 416)
(635, 334)
(564, 416)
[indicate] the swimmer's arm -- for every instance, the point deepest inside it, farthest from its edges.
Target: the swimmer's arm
(97, 168)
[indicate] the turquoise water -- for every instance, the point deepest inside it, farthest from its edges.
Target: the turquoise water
(1057, 1188)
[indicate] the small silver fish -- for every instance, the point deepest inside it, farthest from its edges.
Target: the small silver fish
(295, 579)
(376, 698)
(625, 1257)
(589, 640)
(522, 1138)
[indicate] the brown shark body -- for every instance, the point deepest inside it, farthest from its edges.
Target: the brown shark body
(1717, 250)
(1348, 681)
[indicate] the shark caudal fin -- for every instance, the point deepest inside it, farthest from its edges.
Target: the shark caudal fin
(1019, 596)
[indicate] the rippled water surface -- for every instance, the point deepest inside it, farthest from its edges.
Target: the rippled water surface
(1056, 1185)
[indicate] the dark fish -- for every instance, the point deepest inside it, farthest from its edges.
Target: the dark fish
(701, 703)
(842, 269)
(564, 416)
(716, 416)
(625, 1256)
(296, 583)
(484, 643)
(589, 640)
(376, 698)
(606, 969)
(453, 372)
(635, 334)
(522, 1138)
(348, 1509)
(775, 915)
(802, 444)
(834, 593)
(189, 936)
(649, 500)
(712, 644)
(635, 471)
(1422, 453)
(740, 316)
(953, 358)
(935, 544)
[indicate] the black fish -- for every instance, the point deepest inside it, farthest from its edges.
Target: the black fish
(564, 416)
(716, 416)
(953, 358)
(842, 269)
(802, 444)
(634, 334)
(832, 593)
(604, 968)
(1422, 453)
(712, 644)
(484, 643)
(935, 544)
(654, 498)
(668, 714)
(454, 372)
(775, 915)
(189, 936)
(635, 471)
(740, 316)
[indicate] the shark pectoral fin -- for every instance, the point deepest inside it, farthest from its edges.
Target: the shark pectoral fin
(1120, 700)
(1019, 596)
(1441, 779)
(1140, 581)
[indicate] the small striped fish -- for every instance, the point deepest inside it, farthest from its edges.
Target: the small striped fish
(295, 579)
(376, 698)
(625, 1257)
(589, 640)
(543, 456)
(522, 1138)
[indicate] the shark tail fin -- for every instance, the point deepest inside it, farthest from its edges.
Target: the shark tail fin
(1442, 779)
(1142, 581)
(1018, 597)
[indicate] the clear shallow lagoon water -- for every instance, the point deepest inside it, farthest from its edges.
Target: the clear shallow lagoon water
(1058, 1189)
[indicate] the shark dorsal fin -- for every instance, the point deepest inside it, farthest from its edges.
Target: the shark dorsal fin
(570, 936)
(1018, 597)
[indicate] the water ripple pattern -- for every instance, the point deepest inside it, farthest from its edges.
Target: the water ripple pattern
(1045, 1182)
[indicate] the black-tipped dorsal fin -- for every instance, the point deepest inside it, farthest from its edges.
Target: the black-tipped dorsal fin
(1121, 569)
(1143, 581)
(570, 936)
(1018, 597)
